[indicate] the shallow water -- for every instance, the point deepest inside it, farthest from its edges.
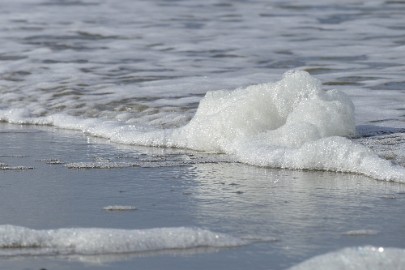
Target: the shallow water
(287, 216)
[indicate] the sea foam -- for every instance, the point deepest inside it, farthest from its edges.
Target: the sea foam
(21, 241)
(292, 123)
(359, 258)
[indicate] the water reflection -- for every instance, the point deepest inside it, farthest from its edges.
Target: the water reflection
(304, 210)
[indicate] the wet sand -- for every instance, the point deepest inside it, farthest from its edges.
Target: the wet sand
(290, 215)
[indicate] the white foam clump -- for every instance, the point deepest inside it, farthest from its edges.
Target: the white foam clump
(287, 113)
(362, 232)
(21, 241)
(120, 208)
(359, 258)
(99, 165)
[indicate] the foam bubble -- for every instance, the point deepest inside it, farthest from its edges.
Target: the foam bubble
(5, 167)
(362, 232)
(21, 241)
(120, 208)
(359, 258)
(100, 165)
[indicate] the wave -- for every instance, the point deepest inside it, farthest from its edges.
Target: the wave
(292, 124)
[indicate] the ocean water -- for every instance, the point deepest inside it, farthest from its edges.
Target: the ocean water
(311, 86)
